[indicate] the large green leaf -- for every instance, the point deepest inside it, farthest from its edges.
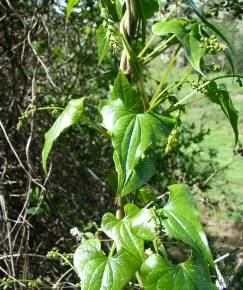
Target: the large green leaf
(175, 26)
(99, 272)
(182, 221)
(102, 38)
(123, 90)
(220, 96)
(132, 135)
(160, 274)
(120, 232)
(70, 6)
(193, 49)
(70, 116)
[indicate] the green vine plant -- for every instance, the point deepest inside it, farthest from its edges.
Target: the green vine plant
(134, 256)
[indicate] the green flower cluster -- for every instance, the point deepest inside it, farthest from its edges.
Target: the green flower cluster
(22, 120)
(197, 87)
(114, 40)
(212, 44)
(64, 258)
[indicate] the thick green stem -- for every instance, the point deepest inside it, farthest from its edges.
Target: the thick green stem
(141, 54)
(96, 127)
(158, 50)
(166, 75)
(132, 59)
(140, 282)
(112, 250)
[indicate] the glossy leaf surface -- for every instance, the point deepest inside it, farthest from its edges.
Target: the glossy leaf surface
(132, 134)
(220, 96)
(99, 272)
(182, 221)
(160, 274)
(70, 116)
(102, 38)
(142, 222)
(193, 49)
(120, 232)
(140, 175)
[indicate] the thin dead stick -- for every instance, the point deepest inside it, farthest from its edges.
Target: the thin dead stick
(60, 279)
(217, 172)
(17, 157)
(11, 277)
(225, 256)
(39, 59)
(30, 255)
(10, 244)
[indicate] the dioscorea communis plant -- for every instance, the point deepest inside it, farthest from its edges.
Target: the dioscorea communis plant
(135, 255)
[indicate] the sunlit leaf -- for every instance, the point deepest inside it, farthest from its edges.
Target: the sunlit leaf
(120, 232)
(102, 37)
(221, 97)
(192, 46)
(182, 222)
(99, 272)
(160, 274)
(70, 116)
(70, 7)
(142, 222)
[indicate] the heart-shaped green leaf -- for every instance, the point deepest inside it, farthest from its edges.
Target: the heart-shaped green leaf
(158, 273)
(193, 49)
(221, 97)
(142, 222)
(120, 232)
(99, 272)
(182, 221)
(70, 116)
(132, 135)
